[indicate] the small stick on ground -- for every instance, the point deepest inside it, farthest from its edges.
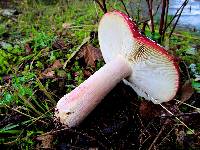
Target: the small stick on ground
(160, 132)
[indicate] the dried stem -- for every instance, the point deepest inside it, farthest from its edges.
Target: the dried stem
(66, 129)
(125, 7)
(174, 17)
(174, 26)
(181, 114)
(150, 7)
(166, 15)
(145, 21)
(102, 5)
(162, 17)
(144, 27)
(153, 13)
(159, 134)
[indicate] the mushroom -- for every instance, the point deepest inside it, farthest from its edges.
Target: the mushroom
(140, 62)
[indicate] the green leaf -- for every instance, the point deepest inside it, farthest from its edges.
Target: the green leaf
(7, 98)
(8, 127)
(196, 86)
(190, 132)
(10, 131)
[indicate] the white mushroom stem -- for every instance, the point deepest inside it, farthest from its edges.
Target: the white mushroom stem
(76, 105)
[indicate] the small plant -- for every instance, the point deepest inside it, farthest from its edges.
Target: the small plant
(9, 55)
(41, 40)
(196, 85)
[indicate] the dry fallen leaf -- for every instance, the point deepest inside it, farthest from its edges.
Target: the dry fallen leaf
(87, 73)
(48, 73)
(46, 141)
(186, 91)
(148, 110)
(90, 54)
(56, 65)
(59, 44)
(28, 48)
(66, 25)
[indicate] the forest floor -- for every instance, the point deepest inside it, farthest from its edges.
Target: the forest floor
(46, 50)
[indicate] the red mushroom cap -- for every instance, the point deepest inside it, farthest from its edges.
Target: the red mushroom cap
(155, 74)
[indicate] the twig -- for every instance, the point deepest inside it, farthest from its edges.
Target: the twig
(183, 36)
(149, 3)
(14, 141)
(166, 136)
(43, 115)
(174, 26)
(174, 17)
(182, 114)
(96, 10)
(102, 6)
(103, 135)
(172, 114)
(186, 67)
(177, 118)
(154, 13)
(166, 16)
(144, 27)
(125, 7)
(74, 131)
(162, 17)
(198, 109)
(145, 21)
(42, 88)
(142, 132)
(160, 132)
(23, 113)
